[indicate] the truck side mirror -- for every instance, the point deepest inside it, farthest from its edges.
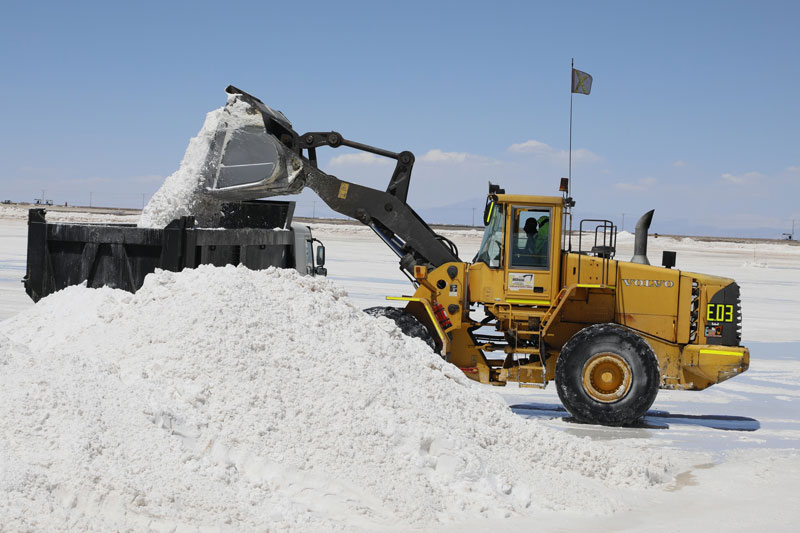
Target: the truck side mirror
(320, 255)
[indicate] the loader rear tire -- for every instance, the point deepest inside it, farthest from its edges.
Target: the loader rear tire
(408, 323)
(607, 374)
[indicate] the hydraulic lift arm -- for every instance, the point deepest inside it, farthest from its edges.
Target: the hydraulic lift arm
(386, 212)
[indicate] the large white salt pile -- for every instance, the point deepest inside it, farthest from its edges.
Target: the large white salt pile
(181, 193)
(261, 400)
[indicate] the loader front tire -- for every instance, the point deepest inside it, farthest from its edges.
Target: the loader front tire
(408, 323)
(607, 374)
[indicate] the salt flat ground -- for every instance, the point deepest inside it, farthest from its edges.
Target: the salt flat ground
(743, 436)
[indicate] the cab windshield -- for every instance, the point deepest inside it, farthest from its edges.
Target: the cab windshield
(491, 249)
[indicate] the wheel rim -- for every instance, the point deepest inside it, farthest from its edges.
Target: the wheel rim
(607, 377)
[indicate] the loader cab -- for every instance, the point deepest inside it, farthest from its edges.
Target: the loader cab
(519, 258)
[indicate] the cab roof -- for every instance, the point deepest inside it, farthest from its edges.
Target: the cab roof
(525, 199)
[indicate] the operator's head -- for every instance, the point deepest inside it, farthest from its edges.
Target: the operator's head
(530, 226)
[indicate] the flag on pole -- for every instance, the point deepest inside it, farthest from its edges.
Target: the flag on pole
(581, 82)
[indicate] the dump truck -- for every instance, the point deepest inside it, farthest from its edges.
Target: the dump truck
(541, 301)
(256, 234)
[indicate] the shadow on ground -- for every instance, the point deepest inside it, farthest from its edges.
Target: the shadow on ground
(652, 420)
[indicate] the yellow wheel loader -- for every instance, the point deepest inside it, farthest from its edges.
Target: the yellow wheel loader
(540, 302)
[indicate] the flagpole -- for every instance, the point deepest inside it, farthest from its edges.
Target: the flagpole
(571, 74)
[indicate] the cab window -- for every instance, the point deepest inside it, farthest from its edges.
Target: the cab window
(491, 250)
(530, 237)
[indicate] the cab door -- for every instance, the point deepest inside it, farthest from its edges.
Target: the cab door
(529, 255)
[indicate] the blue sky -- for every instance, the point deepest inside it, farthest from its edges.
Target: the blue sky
(693, 109)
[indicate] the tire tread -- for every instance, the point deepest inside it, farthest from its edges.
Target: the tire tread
(634, 349)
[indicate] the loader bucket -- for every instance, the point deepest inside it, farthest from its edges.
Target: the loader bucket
(246, 162)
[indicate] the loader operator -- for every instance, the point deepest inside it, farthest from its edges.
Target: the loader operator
(524, 255)
(530, 233)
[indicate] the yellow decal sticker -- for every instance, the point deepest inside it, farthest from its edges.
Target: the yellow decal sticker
(343, 190)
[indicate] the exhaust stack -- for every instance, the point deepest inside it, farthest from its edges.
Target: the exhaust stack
(640, 244)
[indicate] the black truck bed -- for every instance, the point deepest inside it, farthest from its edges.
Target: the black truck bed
(121, 255)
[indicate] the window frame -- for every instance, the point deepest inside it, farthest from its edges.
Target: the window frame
(514, 233)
